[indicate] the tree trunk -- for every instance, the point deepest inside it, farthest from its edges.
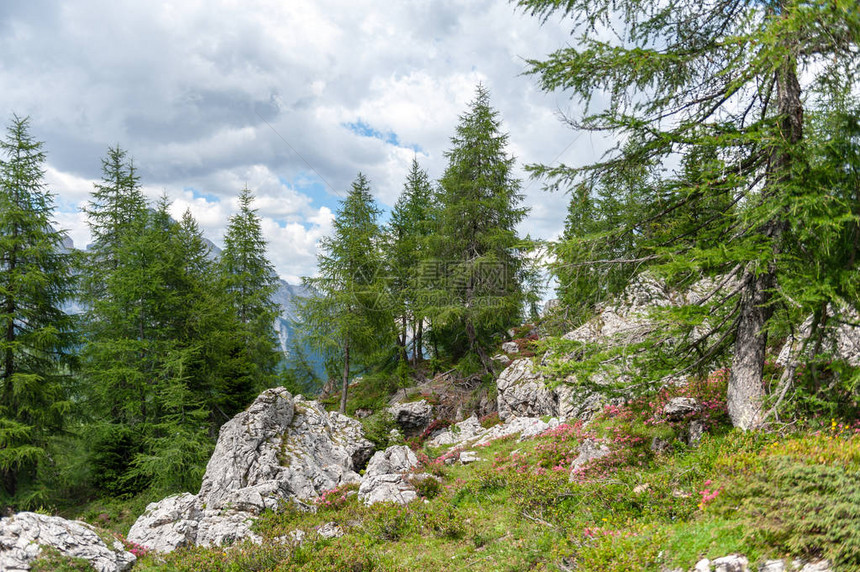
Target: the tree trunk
(746, 389)
(345, 387)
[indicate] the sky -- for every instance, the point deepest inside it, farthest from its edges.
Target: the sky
(292, 98)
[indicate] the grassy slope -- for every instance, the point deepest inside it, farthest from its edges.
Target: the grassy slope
(763, 494)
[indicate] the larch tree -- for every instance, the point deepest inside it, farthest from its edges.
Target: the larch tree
(36, 335)
(480, 257)
(350, 318)
(735, 79)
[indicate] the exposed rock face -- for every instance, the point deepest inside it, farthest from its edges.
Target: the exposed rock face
(731, 563)
(412, 417)
(589, 450)
(385, 479)
(470, 433)
(523, 392)
(841, 339)
(280, 449)
(23, 535)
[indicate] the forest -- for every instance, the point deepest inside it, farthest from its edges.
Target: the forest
(735, 176)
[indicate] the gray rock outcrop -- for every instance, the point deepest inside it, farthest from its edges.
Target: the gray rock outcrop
(470, 432)
(386, 479)
(589, 450)
(281, 449)
(412, 417)
(523, 392)
(23, 535)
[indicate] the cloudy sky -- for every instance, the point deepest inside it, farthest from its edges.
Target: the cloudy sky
(291, 97)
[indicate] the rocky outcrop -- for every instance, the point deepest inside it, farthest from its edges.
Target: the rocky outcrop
(510, 348)
(386, 480)
(523, 392)
(412, 417)
(281, 449)
(23, 536)
(840, 338)
(470, 433)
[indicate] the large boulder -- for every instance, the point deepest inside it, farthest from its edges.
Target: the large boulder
(281, 449)
(412, 417)
(386, 478)
(24, 535)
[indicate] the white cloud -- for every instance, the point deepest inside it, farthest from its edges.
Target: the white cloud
(210, 96)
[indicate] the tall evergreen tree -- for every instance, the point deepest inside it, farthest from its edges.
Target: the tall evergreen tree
(479, 253)
(407, 251)
(249, 281)
(36, 335)
(350, 319)
(719, 76)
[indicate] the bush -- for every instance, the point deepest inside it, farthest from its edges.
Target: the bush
(804, 497)
(377, 428)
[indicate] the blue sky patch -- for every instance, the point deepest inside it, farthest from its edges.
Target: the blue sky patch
(364, 129)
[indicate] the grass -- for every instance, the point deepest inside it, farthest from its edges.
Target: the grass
(518, 509)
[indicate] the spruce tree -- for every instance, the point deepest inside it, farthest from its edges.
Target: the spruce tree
(478, 254)
(249, 280)
(717, 81)
(350, 318)
(407, 251)
(36, 335)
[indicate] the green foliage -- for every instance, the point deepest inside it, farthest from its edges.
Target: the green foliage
(350, 320)
(722, 168)
(36, 335)
(249, 281)
(377, 428)
(476, 279)
(407, 252)
(50, 560)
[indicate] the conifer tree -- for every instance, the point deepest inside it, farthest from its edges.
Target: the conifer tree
(350, 319)
(476, 246)
(249, 281)
(36, 335)
(407, 251)
(719, 79)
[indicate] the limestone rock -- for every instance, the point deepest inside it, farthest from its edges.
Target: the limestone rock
(502, 359)
(660, 446)
(330, 530)
(841, 338)
(522, 392)
(23, 535)
(589, 450)
(412, 417)
(281, 449)
(703, 565)
(470, 433)
(167, 524)
(679, 407)
(510, 348)
(772, 566)
(397, 459)
(731, 563)
(385, 478)
(469, 457)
